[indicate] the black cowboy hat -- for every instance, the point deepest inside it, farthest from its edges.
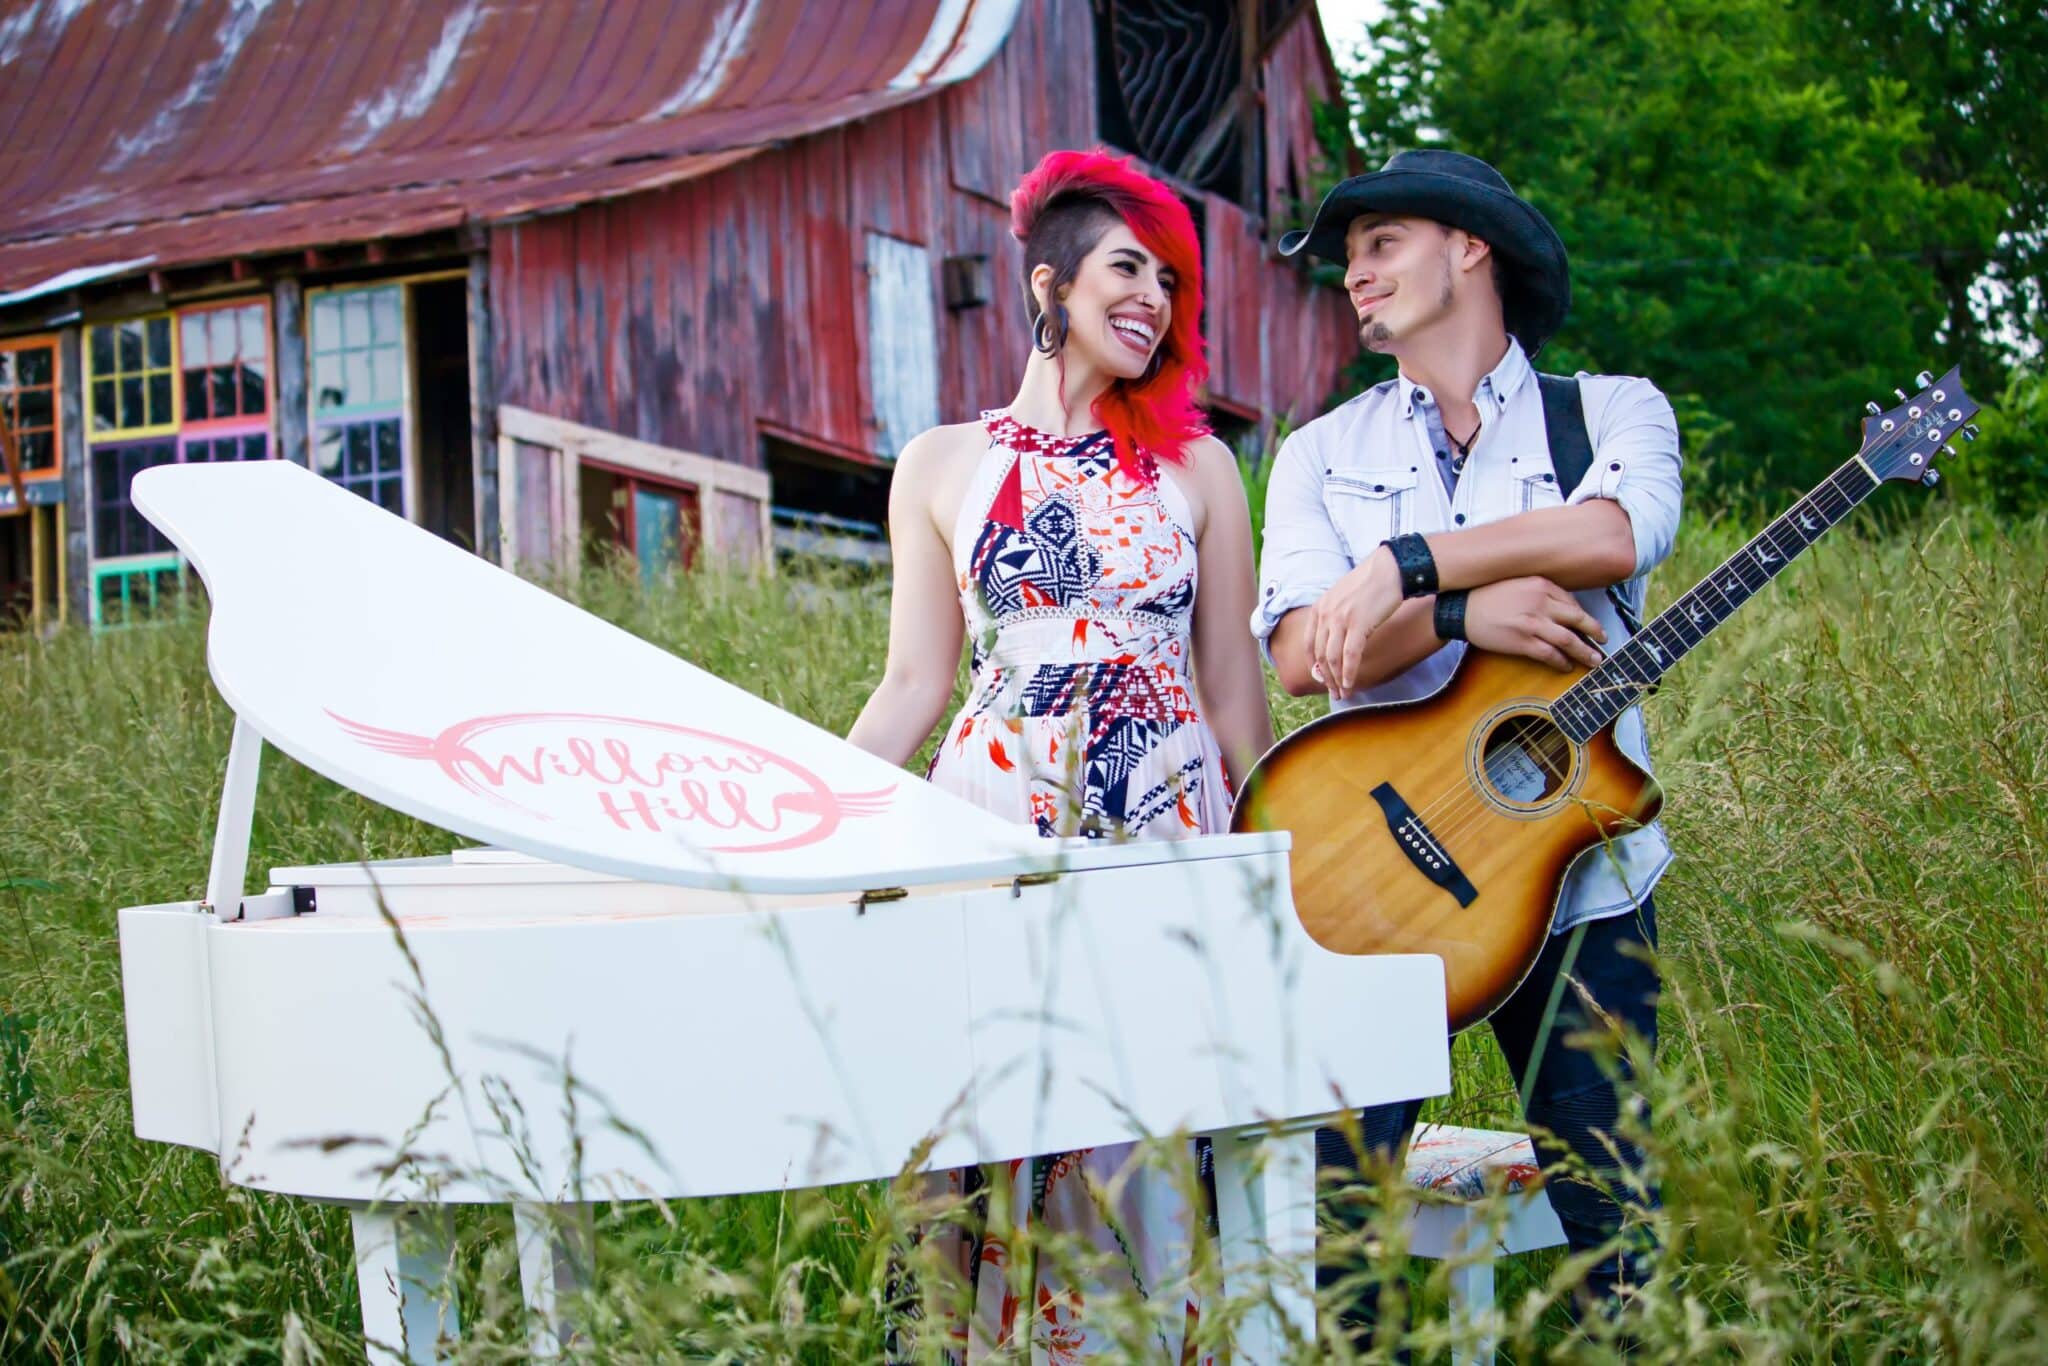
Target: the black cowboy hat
(1461, 192)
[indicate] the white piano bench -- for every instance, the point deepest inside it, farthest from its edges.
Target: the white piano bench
(1468, 1163)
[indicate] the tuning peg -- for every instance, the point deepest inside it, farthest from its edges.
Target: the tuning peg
(1970, 431)
(1923, 379)
(1949, 447)
(1901, 393)
(1931, 478)
(1872, 408)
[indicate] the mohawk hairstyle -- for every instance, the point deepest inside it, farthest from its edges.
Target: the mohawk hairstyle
(1155, 416)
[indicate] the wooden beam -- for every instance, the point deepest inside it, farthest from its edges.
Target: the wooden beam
(483, 406)
(288, 323)
(77, 548)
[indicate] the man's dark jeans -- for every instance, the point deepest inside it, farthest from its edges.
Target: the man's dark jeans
(1572, 1097)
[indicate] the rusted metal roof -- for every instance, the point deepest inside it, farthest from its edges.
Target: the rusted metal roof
(160, 133)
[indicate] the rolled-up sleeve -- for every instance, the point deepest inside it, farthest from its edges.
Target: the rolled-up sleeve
(1303, 555)
(1635, 463)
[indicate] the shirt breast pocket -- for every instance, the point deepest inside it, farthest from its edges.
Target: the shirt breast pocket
(1534, 491)
(1368, 506)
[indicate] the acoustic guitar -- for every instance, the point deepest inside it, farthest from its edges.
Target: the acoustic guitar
(1447, 824)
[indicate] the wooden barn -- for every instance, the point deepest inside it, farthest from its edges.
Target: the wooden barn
(678, 277)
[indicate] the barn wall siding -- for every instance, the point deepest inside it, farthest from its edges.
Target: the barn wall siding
(689, 316)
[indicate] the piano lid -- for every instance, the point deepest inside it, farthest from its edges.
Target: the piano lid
(442, 686)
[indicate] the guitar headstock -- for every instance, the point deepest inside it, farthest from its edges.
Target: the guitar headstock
(1902, 442)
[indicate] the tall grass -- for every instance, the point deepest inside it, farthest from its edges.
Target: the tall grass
(1850, 1100)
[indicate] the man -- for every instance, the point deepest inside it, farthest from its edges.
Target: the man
(1426, 513)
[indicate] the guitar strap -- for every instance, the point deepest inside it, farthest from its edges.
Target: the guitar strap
(1571, 455)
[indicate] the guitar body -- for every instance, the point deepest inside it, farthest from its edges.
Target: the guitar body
(1446, 825)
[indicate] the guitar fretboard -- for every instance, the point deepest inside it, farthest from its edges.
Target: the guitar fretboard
(1620, 680)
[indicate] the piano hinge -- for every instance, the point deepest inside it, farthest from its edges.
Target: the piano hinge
(278, 905)
(1023, 880)
(876, 895)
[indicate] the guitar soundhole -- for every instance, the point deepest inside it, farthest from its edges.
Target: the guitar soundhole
(1526, 760)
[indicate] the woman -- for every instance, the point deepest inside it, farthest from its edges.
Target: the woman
(1066, 535)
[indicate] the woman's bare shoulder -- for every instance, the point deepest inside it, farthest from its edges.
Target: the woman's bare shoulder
(936, 447)
(1209, 469)
(1211, 458)
(933, 471)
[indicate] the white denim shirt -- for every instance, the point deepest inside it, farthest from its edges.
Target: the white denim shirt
(1366, 471)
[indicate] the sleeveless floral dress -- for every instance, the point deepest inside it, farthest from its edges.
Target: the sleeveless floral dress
(1078, 585)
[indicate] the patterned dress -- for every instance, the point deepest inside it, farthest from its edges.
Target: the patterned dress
(1078, 584)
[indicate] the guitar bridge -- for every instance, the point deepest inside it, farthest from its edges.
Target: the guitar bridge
(1423, 849)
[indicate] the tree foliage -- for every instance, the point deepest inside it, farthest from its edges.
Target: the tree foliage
(1768, 208)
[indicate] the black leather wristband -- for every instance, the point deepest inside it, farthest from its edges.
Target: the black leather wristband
(1417, 565)
(1450, 614)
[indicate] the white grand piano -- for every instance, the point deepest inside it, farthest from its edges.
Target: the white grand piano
(773, 959)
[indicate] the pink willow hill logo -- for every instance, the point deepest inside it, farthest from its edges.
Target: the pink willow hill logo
(638, 775)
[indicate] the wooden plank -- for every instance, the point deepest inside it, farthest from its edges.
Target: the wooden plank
(37, 586)
(288, 341)
(71, 436)
(483, 405)
(508, 506)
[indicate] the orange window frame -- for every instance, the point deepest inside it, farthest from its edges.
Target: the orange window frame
(11, 347)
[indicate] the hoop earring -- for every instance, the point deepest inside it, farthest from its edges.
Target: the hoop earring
(1044, 338)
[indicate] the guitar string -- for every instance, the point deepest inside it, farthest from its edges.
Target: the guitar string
(1459, 817)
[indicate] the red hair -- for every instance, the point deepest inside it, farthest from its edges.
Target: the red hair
(1154, 415)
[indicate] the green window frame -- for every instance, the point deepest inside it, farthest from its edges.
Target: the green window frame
(359, 359)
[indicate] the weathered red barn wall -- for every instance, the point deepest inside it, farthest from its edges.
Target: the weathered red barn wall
(689, 316)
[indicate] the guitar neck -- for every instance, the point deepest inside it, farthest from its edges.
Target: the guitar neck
(1619, 681)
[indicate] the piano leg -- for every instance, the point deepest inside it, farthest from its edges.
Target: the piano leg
(1266, 1218)
(405, 1265)
(556, 1247)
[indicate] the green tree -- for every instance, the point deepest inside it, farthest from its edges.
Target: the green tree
(2010, 465)
(1976, 72)
(1747, 225)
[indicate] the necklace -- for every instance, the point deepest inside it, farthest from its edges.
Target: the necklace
(1464, 447)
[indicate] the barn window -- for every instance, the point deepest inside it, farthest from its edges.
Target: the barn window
(117, 528)
(192, 386)
(656, 521)
(224, 352)
(358, 351)
(129, 366)
(1176, 85)
(28, 401)
(131, 424)
(365, 457)
(248, 446)
(29, 535)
